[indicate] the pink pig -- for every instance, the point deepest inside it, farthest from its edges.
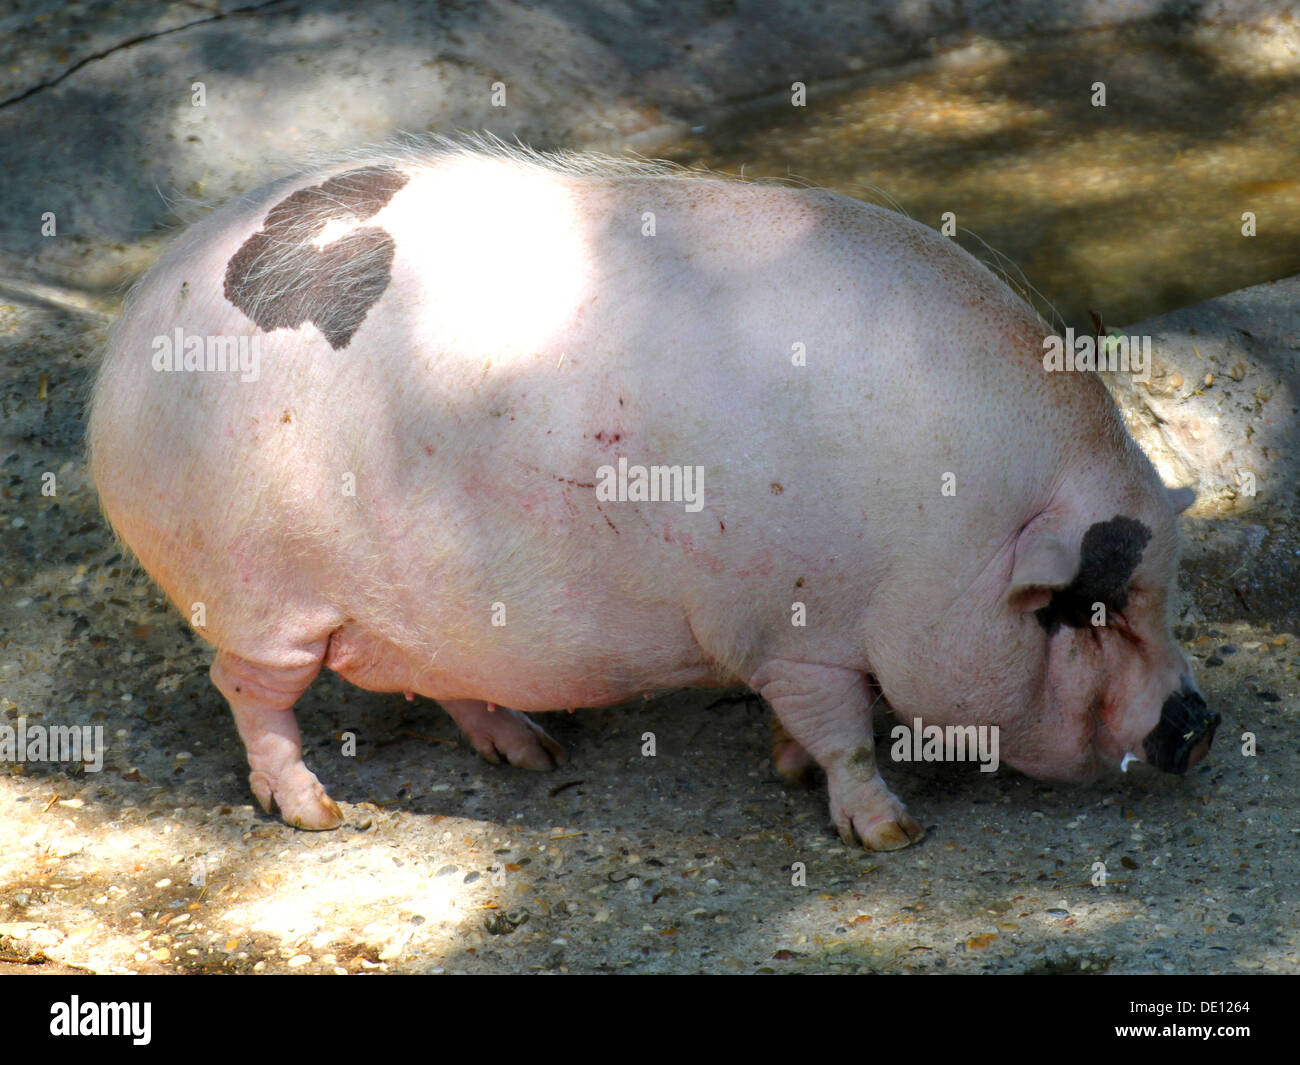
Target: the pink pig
(514, 430)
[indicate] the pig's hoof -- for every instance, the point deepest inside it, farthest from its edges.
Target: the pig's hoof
(889, 834)
(508, 734)
(303, 802)
(868, 813)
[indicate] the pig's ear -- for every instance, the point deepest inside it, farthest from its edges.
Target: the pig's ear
(1181, 498)
(1044, 562)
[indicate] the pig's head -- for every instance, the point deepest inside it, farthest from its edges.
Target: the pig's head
(1091, 588)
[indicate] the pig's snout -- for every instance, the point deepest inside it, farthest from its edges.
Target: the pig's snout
(1183, 735)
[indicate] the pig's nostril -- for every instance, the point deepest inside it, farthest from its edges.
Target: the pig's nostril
(1184, 733)
(1201, 747)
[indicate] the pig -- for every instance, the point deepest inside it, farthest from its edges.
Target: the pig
(521, 432)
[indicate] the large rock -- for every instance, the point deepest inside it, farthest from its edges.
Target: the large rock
(1221, 406)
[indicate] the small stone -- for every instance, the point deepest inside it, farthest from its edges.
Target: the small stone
(299, 960)
(502, 924)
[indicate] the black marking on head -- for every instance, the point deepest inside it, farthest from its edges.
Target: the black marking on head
(281, 280)
(1110, 552)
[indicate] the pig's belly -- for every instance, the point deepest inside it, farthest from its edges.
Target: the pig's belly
(511, 673)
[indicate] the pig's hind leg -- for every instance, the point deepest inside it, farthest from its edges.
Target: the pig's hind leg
(261, 697)
(827, 712)
(498, 732)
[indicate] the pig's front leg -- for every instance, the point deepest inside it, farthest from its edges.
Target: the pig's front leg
(498, 732)
(827, 711)
(789, 758)
(261, 697)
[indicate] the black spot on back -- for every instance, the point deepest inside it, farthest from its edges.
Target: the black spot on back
(280, 280)
(1110, 552)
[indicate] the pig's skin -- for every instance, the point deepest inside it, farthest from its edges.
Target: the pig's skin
(506, 329)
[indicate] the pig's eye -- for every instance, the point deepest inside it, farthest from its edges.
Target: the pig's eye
(1119, 623)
